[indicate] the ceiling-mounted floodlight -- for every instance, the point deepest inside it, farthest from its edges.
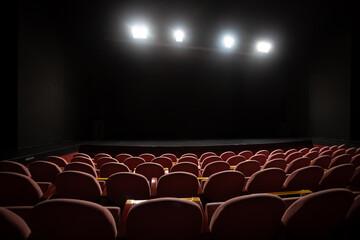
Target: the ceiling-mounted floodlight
(228, 41)
(139, 31)
(179, 35)
(263, 47)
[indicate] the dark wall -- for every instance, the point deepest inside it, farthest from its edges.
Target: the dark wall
(50, 99)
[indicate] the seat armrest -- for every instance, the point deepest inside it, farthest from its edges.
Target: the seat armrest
(49, 192)
(210, 209)
(102, 183)
(44, 186)
(115, 212)
(153, 186)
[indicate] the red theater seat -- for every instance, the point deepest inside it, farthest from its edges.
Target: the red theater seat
(163, 219)
(304, 178)
(318, 215)
(148, 157)
(321, 161)
(100, 155)
(327, 153)
(292, 156)
(276, 156)
(277, 163)
(304, 151)
(340, 159)
(43, 171)
(237, 218)
(224, 185)
(12, 226)
(337, 177)
(266, 180)
(190, 159)
(133, 162)
(209, 160)
(123, 186)
(108, 169)
(205, 155)
(83, 160)
(263, 152)
(246, 153)
(121, 157)
(261, 158)
(312, 155)
(178, 184)
(185, 167)
(338, 152)
(248, 167)
(215, 167)
(235, 160)
(296, 164)
(61, 162)
(18, 190)
(163, 161)
(171, 156)
(72, 219)
(226, 155)
(150, 170)
(11, 166)
(351, 151)
(81, 167)
(356, 160)
(101, 161)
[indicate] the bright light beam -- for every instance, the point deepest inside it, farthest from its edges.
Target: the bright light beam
(179, 35)
(228, 41)
(263, 47)
(139, 31)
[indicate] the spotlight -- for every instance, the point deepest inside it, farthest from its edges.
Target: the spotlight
(139, 31)
(228, 41)
(263, 47)
(179, 35)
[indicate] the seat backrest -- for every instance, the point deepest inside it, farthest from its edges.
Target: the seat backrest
(188, 159)
(277, 163)
(340, 159)
(334, 148)
(170, 155)
(246, 153)
(266, 180)
(263, 152)
(77, 185)
(225, 155)
(133, 162)
(164, 218)
(296, 164)
(276, 156)
(189, 154)
(178, 184)
(276, 151)
(163, 161)
(327, 153)
(292, 156)
(323, 149)
(185, 167)
(356, 160)
(101, 161)
(148, 157)
(290, 151)
(18, 190)
(61, 162)
(83, 160)
(81, 154)
(312, 155)
(11, 166)
(235, 160)
(100, 155)
(123, 186)
(224, 185)
(355, 180)
(81, 167)
(353, 217)
(50, 220)
(337, 177)
(205, 155)
(322, 161)
(304, 151)
(351, 151)
(235, 218)
(304, 178)
(43, 171)
(13, 226)
(215, 167)
(108, 169)
(317, 215)
(209, 160)
(261, 158)
(150, 170)
(248, 167)
(121, 157)
(338, 152)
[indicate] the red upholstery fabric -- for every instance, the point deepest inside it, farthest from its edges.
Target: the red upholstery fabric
(133, 162)
(163, 161)
(296, 164)
(327, 153)
(235, 160)
(224, 185)
(266, 180)
(148, 157)
(304, 178)
(255, 216)
(18, 190)
(77, 185)
(261, 158)
(163, 219)
(317, 215)
(205, 155)
(123, 186)
(215, 167)
(101, 161)
(150, 170)
(61, 162)
(355, 180)
(246, 153)
(356, 160)
(72, 219)
(248, 168)
(338, 152)
(43, 171)
(178, 184)
(276, 156)
(122, 157)
(108, 169)
(351, 151)
(292, 156)
(83, 160)
(81, 154)
(337, 177)
(100, 155)
(290, 151)
(226, 155)
(81, 167)
(322, 161)
(11, 166)
(188, 159)
(312, 155)
(304, 151)
(171, 156)
(276, 151)
(210, 159)
(277, 163)
(185, 167)
(263, 152)
(12, 226)
(189, 154)
(340, 159)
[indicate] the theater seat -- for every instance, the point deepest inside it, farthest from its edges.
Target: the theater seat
(164, 219)
(170, 155)
(11, 166)
(72, 219)
(304, 178)
(43, 171)
(235, 160)
(77, 185)
(248, 167)
(82, 167)
(276, 156)
(312, 155)
(317, 215)
(123, 186)
(266, 180)
(100, 155)
(178, 184)
(148, 157)
(296, 164)
(261, 158)
(18, 190)
(121, 157)
(246, 153)
(83, 160)
(215, 167)
(224, 185)
(340, 159)
(103, 160)
(292, 156)
(277, 163)
(163, 161)
(322, 161)
(12, 226)
(108, 169)
(205, 155)
(226, 155)
(188, 159)
(61, 162)
(255, 216)
(185, 167)
(210, 159)
(133, 162)
(150, 170)
(337, 177)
